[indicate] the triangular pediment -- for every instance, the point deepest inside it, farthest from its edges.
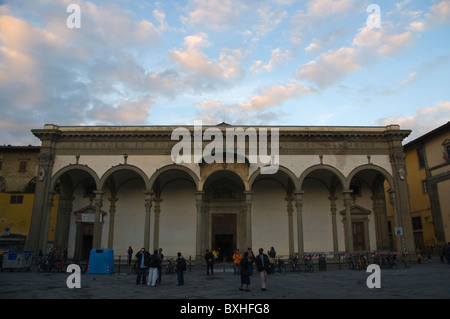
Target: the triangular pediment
(89, 209)
(357, 210)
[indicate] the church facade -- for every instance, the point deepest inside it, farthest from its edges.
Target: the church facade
(121, 186)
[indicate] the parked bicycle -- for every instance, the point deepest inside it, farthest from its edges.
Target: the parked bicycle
(293, 262)
(42, 264)
(308, 265)
(280, 266)
(170, 266)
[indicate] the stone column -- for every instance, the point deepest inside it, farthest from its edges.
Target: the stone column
(156, 212)
(98, 223)
(148, 209)
(38, 233)
(248, 219)
(112, 215)
(334, 222)
(381, 224)
(63, 221)
(198, 231)
(290, 211)
(400, 186)
(299, 205)
(348, 221)
(397, 220)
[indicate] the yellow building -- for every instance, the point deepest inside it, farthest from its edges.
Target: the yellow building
(18, 171)
(428, 175)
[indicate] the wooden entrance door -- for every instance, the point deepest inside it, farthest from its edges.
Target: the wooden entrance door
(359, 239)
(224, 234)
(86, 240)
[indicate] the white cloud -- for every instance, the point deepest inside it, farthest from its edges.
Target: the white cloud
(423, 121)
(439, 13)
(224, 70)
(330, 67)
(213, 14)
(382, 42)
(257, 107)
(277, 57)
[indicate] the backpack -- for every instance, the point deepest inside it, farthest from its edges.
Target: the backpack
(154, 261)
(181, 264)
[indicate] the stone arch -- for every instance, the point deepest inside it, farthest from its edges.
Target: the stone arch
(74, 167)
(341, 178)
(377, 168)
(281, 168)
(121, 167)
(182, 168)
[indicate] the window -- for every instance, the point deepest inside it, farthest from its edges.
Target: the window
(16, 199)
(417, 223)
(23, 166)
(421, 157)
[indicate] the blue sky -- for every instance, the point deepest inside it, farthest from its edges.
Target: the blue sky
(254, 62)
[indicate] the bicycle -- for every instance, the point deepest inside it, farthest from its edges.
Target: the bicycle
(308, 265)
(60, 266)
(43, 264)
(279, 265)
(353, 263)
(293, 262)
(170, 267)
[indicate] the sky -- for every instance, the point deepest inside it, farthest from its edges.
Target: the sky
(252, 62)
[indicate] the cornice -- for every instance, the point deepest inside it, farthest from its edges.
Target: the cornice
(164, 132)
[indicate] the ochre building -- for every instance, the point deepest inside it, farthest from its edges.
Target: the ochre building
(119, 186)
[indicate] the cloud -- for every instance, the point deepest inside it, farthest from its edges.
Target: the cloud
(325, 8)
(277, 57)
(318, 15)
(257, 107)
(203, 70)
(213, 14)
(381, 41)
(439, 13)
(330, 67)
(423, 121)
(130, 112)
(52, 74)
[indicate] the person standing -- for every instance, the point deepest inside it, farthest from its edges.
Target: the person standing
(272, 254)
(236, 261)
(153, 269)
(142, 258)
(180, 268)
(262, 265)
(209, 257)
(251, 258)
(161, 259)
(130, 254)
(245, 272)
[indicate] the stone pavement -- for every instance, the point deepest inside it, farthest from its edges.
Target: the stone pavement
(419, 281)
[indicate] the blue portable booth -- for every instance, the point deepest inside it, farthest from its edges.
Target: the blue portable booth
(101, 261)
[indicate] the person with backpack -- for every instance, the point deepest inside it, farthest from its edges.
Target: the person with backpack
(153, 264)
(180, 268)
(142, 263)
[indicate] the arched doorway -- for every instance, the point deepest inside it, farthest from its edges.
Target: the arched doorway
(225, 213)
(76, 186)
(371, 227)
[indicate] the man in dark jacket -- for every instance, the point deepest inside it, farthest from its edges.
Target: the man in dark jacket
(142, 265)
(209, 257)
(262, 264)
